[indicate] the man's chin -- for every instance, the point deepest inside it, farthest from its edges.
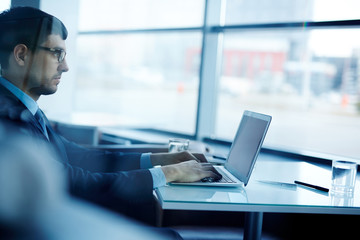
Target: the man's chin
(49, 92)
(44, 91)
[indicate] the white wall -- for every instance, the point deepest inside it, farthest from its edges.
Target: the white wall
(60, 104)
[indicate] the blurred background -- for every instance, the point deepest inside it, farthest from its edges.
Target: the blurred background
(194, 66)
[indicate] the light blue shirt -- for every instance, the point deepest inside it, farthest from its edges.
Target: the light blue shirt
(145, 161)
(157, 174)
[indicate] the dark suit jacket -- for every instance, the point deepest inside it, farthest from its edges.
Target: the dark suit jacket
(127, 185)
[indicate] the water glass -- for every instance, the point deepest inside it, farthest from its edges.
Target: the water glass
(343, 177)
(342, 200)
(178, 145)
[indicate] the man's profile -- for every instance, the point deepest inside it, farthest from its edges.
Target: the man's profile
(33, 59)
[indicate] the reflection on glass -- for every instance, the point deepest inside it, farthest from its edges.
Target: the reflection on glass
(148, 79)
(264, 11)
(125, 14)
(203, 194)
(307, 80)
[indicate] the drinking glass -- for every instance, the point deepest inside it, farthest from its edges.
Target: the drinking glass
(343, 177)
(178, 144)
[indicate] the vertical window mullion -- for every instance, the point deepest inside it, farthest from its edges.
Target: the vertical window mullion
(210, 69)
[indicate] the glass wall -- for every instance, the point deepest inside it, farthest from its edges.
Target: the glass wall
(295, 60)
(144, 76)
(139, 14)
(276, 11)
(4, 4)
(147, 80)
(310, 88)
(307, 78)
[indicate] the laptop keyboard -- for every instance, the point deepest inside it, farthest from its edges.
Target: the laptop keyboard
(225, 178)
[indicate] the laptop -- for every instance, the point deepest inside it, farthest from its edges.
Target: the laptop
(243, 152)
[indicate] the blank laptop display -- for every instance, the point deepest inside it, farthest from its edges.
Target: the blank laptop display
(243, 152)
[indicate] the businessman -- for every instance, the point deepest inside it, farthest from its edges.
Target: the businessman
(33, 59)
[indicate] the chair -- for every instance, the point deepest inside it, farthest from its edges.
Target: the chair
(84, 135)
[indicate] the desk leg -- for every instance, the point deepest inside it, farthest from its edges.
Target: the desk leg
(253, 225)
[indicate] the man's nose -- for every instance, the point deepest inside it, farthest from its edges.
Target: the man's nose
(63, 67)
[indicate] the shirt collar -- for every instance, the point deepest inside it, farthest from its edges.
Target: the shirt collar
(23, 97)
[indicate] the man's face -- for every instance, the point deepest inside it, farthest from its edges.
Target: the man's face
(45, 70)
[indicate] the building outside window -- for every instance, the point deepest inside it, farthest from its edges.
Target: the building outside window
(307, 78)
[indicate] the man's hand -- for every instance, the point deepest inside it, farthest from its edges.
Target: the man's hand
(189, 171)
(164, 159)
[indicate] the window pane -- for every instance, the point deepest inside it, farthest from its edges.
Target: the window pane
(308, 80)
(4, 4)
(148, 80)
(265, 11)
(125, 14)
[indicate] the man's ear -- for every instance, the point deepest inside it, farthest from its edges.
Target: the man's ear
(20, 53)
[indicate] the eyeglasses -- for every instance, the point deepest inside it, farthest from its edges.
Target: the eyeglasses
(59, 53)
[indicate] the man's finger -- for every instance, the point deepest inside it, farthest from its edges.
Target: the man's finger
(200, 157)
(206, 164)
(209, 166)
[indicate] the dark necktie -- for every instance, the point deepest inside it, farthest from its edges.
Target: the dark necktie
(40, 118)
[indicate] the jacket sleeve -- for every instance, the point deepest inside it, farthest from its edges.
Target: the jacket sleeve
(100, 161)
(123, 186)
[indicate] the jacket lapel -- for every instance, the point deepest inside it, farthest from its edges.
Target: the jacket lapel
(55, 140)
(12, 108)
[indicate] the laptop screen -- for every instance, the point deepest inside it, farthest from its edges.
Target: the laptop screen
(247, 144)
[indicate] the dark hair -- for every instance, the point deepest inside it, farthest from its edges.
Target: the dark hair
(28, 26)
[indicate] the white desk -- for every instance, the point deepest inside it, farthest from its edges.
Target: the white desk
(257, 198)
